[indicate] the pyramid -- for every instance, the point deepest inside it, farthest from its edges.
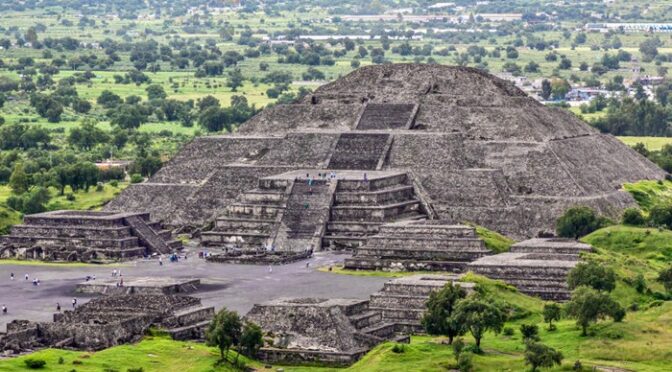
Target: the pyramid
(407, 141)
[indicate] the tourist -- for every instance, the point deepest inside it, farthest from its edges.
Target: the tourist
(26, 276)
(160, 261)
(58, 307)
(114, 273)
(11, 276)
(74, 303)
(270, 268)
(35, 282)
(366, 178)
(121, 282)
(4, 310)
(93, 277)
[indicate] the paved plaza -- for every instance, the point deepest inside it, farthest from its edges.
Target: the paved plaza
(237, 287)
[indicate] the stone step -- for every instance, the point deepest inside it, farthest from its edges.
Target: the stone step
(129, 242)
(392, 314)
(190, 316)
(427, 230)
(382, 330)
(365, 319)
(263, 197)
(394, 194)
(393, 300)
(353, 228)
(189, 332)
(260, 211)
(380, 213)
(372, 263)
(342, 242)
(247, 225)
(378, 183)
(235, 238)
(72, 231)
(425, 254)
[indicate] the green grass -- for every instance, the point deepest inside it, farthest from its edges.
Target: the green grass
(651, 143)
(649, 193)
(493, 240)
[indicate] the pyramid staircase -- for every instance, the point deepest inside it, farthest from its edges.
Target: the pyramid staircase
(361, 207)
(377, 116)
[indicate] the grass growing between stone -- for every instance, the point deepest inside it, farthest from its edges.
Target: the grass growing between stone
(493, 240)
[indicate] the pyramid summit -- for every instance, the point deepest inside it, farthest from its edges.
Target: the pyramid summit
(406, 141)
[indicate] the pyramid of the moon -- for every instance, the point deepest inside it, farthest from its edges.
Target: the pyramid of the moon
(448, 143)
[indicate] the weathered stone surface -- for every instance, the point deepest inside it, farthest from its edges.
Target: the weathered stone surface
(86, 236)
(109, 321)
(475, 147)
(145, 286)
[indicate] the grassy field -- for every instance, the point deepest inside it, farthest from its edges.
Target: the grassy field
(650, 193)
(651, 143)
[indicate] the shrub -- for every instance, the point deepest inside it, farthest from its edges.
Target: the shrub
(100, 187)
(35, 363)
(136, 178)
(138, 369)
(578, 366)
(458, 347)
(579, 221)
(61, 360)
(640, 283)
(508, 331)
(633, 217)
(70, 197)
(529, 332)
(114, 183)
(398, 349)
(539, 355)
(661, 215)
(464, 363)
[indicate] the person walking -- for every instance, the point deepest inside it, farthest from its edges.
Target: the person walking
(4, 310)
(26, 276)
(58, 307)
(11, 276)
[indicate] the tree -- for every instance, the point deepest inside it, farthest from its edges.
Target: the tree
(546, 89)
(214, 119)
(539, 355)
(661, 215)
(87, 136)
(128, 116)
(633, 217)
(235, 79)
(552, 312)
(437, 319)
(560, 88)
(530, 332)
(649, 48)
(665, 277)
(479, 316)
(224, 332)
(155, 91)
(251, 339)
(590, 274)
(577, 222)
(588, 306)
(108, 99)
(18, 181)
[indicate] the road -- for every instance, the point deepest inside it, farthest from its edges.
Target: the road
(237, 287)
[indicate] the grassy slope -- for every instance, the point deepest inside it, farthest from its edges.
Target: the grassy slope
(493, 240)
(650, 193)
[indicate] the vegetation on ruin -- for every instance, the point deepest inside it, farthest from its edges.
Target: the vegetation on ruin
(493, 240)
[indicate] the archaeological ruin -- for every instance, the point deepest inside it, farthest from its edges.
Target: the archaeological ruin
(110, 320)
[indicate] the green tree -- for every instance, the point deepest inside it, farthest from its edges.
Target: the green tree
(587, 306)
(546, 89)
(155, 91)
(633, 217)
(530, 332)
(592, 275)
(437, 319)
(577, 222)
(661, 215)
(87, 136)
(224, 332)
(665, 277)
(539, 355)
(552, 313)
(214, 119)
(251, 339)
(108, 99)
(19, 181)
(479, 316)
(235, 79)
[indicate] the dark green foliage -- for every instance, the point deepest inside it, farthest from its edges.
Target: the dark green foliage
(108, 99)
(251, 339)
(87, 136)
(633, 217)
(588, 306)
(458, 346)
(592, 275)
(464, 362)
(30, 202)
(35, 363)
(539, 355)
(640, 283)
(530, 332)
(398, 349)
(578, 221)
(440, 306)
(661, 215)
(136, 178)
(155, 91)
(224, 331)
(478, 316)
(665, 277)
(552, 313)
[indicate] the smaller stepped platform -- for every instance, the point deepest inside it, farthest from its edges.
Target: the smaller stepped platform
(537, 267)
(146, 285)
(402, 300)
(88, 236)
(429, 245)
(110, 321)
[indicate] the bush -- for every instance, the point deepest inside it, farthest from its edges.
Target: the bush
(633, 217)
(398, 349)
(458, 346)
(70, 197)
(661, 215)
(578, 366)
(464, 363)
(35, 363)
(100, 187)
(114, 183)
(61, 360)
(138, 369)
(508, 331)
(529, 332)
(578, 222)
(136, 178)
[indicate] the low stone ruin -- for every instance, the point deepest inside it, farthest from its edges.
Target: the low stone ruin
(537, 267)
(108, 321)
(86, 236)
(340, 331)
(144, 286)
(430, 245)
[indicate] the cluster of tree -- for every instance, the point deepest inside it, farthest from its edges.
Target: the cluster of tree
(227, 331)
(635, 117)
(214, 118)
